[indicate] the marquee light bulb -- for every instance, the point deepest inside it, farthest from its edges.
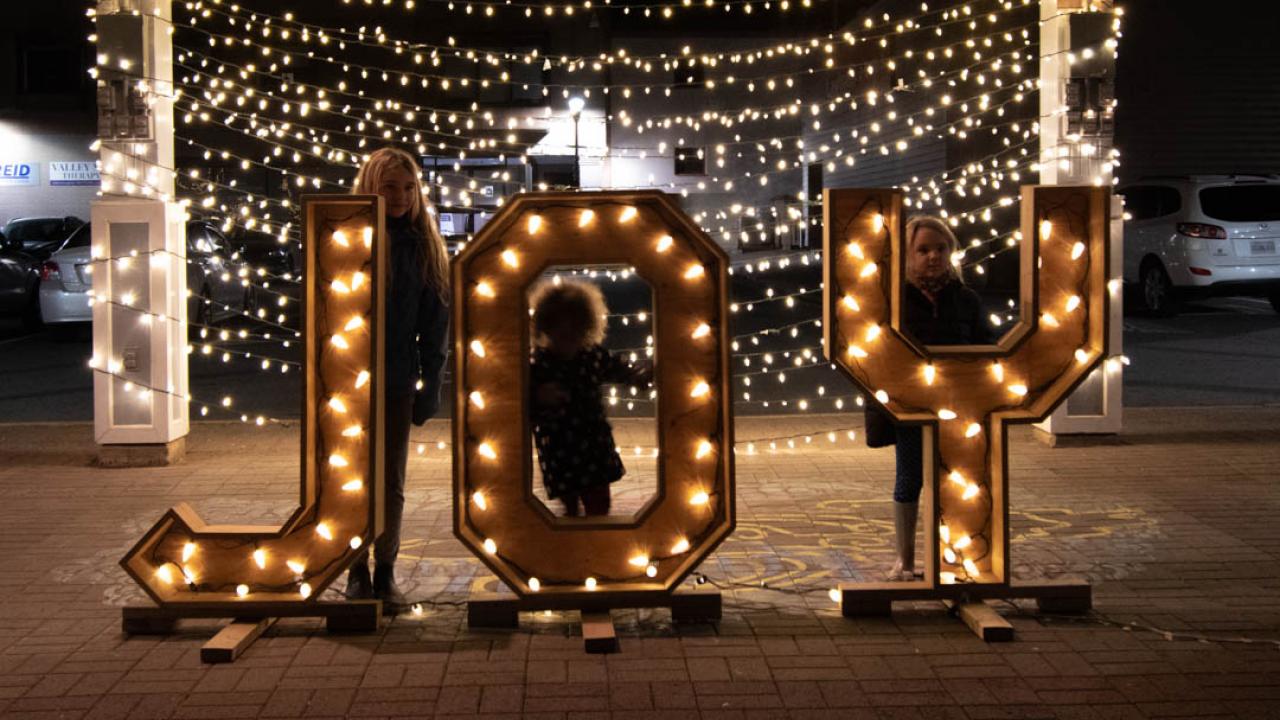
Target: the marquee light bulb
(1082, 357)
(944, 532)
(639, 560)
(1073, 302)
(1077, 250)
(322, 529)
(164, 574)
(868, 270)
(997, 370)
(478, 498)
(353, 431)
(367, 234)
(945, 414)
(651, 571)
(477, 348)
(1048, 320)
(1018, 389)
(877, 222)
(535, 223)
(188, 550)
(701, 331)
(340, 238)
(477, 399)
(1046, 230)
(353, 324)
(973, 430)
(357, 280)
(242, 590)
(971, 568)
(590, 584)
(339, 342)
(509, 257)
(362, 379)
(883, 397)
(873, 332)
(586, 217)
(355, 542)
(963, 542)
(949, 555)
(834, 595)
(855, 250)
(487, 451)
(490, 546)
(704, 449)
(339, 287)
(297, 567)
(700, 390)
(681, 546)
(628, 214)
(260, 557)
(955, 477)
(694, 272)
(947, 578)
(336, 404)
(484, 289)
(930, 373)
(337, 460)
(970, 492)
(304, 590)
(851, 303)
(353, 485)
(534, 584)
(700, 498)
(855, 351)
(665, 242)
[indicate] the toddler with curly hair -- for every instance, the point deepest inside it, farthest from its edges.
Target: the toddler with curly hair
(576, 451)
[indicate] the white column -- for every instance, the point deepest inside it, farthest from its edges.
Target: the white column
(1077, 75)
(138, 242)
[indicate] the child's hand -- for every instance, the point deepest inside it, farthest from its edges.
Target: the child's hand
(551, 395)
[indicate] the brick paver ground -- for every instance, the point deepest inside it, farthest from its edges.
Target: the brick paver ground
(1176, 526)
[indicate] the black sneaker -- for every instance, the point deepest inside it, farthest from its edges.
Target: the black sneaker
(359, 586)
(386, 590)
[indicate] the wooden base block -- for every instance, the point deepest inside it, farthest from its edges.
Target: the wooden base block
(233, 639)
(350, 616)
(985, 622)
(1064, 595)
(147, 625)
(598, 635)
(696, 606)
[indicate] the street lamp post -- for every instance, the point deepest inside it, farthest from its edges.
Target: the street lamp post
(575, 109)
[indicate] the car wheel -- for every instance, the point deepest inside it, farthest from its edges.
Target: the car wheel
(32, 320)
(1157, 290)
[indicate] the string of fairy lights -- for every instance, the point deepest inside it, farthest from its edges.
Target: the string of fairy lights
(258, 100)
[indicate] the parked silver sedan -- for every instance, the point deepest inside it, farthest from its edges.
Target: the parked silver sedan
(215, 289)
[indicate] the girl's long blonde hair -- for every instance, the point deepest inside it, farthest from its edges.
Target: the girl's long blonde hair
(431, 252)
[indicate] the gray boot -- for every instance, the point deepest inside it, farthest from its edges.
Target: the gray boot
(359, 585)
(904, 527)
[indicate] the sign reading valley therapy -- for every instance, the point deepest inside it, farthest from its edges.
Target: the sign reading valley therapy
(78, 172)
(19, 173)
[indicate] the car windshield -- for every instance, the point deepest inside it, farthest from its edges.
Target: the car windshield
(34, 233)
(1242, 203)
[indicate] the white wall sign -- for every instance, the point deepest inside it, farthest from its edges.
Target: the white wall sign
(75, 172)
(19, 173)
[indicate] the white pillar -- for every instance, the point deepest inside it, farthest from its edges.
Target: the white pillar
(138, 242)
(1077, 79)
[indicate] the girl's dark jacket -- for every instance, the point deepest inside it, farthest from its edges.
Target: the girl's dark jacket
(417, 324)
(956, 319)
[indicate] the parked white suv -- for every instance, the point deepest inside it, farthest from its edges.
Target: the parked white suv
(1200, 236)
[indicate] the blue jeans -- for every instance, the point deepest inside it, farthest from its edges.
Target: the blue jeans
(910, 455)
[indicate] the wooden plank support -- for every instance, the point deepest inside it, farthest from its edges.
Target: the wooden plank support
(348, 616)
(233, 639)
(985, 622)
(696, 606)
(598, 634)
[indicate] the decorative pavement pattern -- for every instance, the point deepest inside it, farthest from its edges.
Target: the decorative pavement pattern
(1175, 524)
